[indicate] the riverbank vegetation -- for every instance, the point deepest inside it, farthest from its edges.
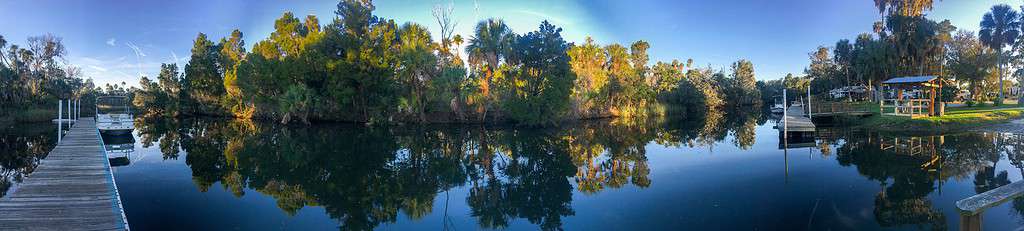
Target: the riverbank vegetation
(365, 68)
(34, 77)
(906, 43)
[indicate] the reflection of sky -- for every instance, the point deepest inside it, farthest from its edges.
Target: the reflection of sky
(115, 41)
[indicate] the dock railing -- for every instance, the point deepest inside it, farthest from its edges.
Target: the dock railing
(908, 107)
(825, 106)
(972, 208)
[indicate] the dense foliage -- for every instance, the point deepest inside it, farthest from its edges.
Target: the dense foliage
(365, 68)
(906, 43)
(38, 75)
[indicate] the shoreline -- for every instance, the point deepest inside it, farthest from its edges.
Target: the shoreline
(956, 120)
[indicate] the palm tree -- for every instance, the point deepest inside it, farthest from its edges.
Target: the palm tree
(911, 8)
(999, 28)
(490, 44)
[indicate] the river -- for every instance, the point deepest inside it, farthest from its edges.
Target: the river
(715, 172)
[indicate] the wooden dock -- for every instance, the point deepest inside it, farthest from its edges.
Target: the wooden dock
(796, 120)
(72, 188)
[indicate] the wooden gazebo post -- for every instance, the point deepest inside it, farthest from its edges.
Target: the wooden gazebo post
(931, 105)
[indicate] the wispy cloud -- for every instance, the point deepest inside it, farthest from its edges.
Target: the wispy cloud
(553, 19)
(174, 57)
(97, 68)
(138, 51)
(112, 42)
(114, 70)
(138, 56)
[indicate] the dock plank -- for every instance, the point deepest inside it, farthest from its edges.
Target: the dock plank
(71, 189)
(796, 120)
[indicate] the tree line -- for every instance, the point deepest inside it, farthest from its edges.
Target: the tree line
(906, 43)
(366, 68)
(38, 74)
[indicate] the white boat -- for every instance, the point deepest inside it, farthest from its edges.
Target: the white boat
(113, 115)
(778, 107)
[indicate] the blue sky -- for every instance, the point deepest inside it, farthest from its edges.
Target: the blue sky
(117, 41)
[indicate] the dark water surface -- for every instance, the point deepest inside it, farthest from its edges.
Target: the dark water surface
(715, 173)
(22, 145)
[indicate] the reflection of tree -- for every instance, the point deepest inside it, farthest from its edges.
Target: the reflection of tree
(534, 184)
(1013, 146)
(21, 148)
(905, 185)
(364, 177)
(904, 171)
(743, 125)
(161, 130)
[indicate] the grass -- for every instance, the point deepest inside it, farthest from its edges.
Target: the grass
(28, 115)
(955, 119)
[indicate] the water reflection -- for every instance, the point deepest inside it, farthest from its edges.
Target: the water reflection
(119, 149)
(909, 168)
(366, 177)
(21, 148)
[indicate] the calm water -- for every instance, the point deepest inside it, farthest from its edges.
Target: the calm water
(21, 147)
(713, 173)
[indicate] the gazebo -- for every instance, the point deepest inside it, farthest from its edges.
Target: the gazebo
(921, 100)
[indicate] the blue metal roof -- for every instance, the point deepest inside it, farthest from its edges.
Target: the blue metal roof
(911, 79)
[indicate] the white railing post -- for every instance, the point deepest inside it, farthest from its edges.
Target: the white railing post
(809, 100)
(60, 115)
(785, 110)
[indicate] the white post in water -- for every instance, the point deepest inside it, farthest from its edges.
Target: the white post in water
(60, 114)
(785, 109)
(809, 100)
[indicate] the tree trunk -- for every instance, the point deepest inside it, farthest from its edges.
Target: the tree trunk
(999, 67)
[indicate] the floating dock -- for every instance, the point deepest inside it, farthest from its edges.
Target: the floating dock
(71, 189)
(796, 121)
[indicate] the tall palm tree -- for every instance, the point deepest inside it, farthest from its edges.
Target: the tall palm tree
(490, 44)
(910, 8)
(999, 28)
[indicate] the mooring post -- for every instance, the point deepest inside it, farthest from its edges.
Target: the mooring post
(60, 114)
(809, 100)
(785, 110)
(970, 222)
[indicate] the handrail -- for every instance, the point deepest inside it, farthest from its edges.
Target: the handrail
(971, 208)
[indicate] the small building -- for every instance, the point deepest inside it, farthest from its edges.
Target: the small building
(913, 96)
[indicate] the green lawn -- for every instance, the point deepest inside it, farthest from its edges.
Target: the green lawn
(955, 119)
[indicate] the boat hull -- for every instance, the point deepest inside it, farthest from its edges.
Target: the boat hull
(115, 132)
